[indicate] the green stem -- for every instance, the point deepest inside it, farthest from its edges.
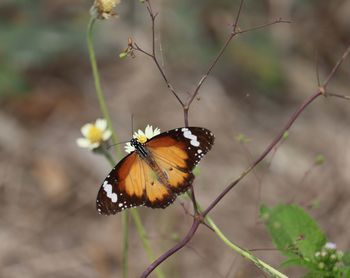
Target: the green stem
(143, 236)
(125, 225)
(125, 215)
(98, 87)
(244, 253)
(106, 115)
(139, 228)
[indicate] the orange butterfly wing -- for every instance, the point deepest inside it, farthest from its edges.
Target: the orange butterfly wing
(132, 183)
(178, 151)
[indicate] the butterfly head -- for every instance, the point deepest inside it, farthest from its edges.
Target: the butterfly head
(139, 147)
(136, 143)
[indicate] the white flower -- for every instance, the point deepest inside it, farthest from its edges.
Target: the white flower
(142, 137)
(330, 245)
(94, 134)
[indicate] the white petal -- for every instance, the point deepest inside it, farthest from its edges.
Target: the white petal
(128, 148)
(106, 135)
(85, 129)
(139, 133)
(93, 146)
(149, 131)
(83, 142)
(156, 131)
(101, 124)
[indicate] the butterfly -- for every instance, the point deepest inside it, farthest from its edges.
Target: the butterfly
(156, 171)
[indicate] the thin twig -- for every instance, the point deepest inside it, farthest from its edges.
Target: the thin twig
(279, 20)
(336, 67)
(236, 31)
(154, 55)
(338, 96)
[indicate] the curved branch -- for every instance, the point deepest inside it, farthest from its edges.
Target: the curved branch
(199, 218)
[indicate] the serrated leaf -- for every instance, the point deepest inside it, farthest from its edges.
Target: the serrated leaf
(293, 231)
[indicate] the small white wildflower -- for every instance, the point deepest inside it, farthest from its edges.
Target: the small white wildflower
(340, 254)
(94, 134)
(330, 245)
(317, 254)
(142, 137)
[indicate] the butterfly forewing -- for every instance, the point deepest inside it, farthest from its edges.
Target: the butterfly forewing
(178, 151)
(123, 187)
(133, 182)
(195, 142)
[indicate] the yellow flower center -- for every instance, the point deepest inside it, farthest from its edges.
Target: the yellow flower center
(142, 139)
(95, 135)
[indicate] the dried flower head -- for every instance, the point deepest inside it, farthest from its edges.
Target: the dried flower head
(104, 9)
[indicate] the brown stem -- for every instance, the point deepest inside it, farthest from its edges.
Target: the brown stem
(197, 221)
(292, 119)
(266, 152)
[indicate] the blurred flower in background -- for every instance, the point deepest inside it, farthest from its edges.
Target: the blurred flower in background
(104, 9)
(94, 134)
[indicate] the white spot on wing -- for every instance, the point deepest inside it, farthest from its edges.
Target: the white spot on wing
(188, 134)
(108, 189)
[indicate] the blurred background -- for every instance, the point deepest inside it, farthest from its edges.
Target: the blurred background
(48, 223)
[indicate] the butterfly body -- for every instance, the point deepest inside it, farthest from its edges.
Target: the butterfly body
(156, 171)
(145, 154)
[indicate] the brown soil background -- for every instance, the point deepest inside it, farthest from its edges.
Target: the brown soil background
(48, 223)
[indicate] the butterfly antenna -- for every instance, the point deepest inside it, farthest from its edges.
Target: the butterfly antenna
(110, 146)
(132, 123)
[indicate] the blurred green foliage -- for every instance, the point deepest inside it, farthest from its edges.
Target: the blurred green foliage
(201, 29)
(32, 34)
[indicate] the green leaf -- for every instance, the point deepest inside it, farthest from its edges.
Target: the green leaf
(293, 231)
(320, 159)
(346, 258)
(298, 261)
(242, 139)
(122, 55)
(286, 135)
(345, 272)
